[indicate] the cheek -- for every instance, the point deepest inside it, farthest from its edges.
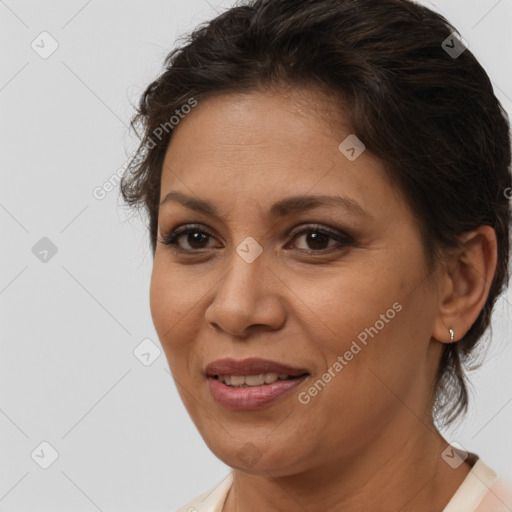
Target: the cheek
(175, 304)
(158, 302)
(384, 360)
(351, 303)
(168, 305)
(373, 325)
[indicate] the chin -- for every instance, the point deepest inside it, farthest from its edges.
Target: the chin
(255, 459)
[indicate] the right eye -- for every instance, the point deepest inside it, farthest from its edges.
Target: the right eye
(196, 236)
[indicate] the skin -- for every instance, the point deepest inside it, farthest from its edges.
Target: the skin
(366, 441)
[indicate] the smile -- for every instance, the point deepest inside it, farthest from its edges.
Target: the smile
(252, 380)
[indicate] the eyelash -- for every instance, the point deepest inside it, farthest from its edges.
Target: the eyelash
(172, 238)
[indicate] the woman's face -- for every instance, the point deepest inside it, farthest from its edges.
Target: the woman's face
(339, 291)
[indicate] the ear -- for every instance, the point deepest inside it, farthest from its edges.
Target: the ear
(465, 284)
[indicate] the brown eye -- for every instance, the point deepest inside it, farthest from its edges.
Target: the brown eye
(195, 237)
(317, 239)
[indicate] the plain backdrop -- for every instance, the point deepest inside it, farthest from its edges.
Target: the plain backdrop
(75, 269)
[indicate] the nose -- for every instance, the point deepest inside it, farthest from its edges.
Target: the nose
(248, 297)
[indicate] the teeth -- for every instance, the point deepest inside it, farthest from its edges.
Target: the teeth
(237, 380)
(270, 377)
(251, 380)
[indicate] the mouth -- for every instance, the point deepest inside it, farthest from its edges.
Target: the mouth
(252, 368)
(251, 383)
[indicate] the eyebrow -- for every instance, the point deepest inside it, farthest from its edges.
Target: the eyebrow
(283, 208)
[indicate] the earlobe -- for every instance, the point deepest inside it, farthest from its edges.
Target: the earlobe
(467, 285)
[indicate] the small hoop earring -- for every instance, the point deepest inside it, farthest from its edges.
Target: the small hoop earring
(451, 335)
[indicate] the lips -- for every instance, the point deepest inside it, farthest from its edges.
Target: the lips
(236, 385)
(251, 366)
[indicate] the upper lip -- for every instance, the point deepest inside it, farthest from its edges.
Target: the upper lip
(250, 366)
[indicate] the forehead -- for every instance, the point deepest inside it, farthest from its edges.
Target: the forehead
(234, 147)
(257, 130)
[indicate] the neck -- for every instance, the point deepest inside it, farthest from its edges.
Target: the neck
(396, 472)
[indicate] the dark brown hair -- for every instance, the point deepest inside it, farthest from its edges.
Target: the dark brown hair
(431, 117)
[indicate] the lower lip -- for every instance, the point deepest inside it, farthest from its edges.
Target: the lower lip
(250, 398)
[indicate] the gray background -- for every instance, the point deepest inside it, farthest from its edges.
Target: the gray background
(69, 326)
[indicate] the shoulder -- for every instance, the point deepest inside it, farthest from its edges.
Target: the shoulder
(210, 500)
(498, 497)
(482, 491)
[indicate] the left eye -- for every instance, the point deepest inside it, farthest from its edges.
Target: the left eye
(316, 239)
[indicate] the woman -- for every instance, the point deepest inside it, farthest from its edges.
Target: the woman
(326, 184)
